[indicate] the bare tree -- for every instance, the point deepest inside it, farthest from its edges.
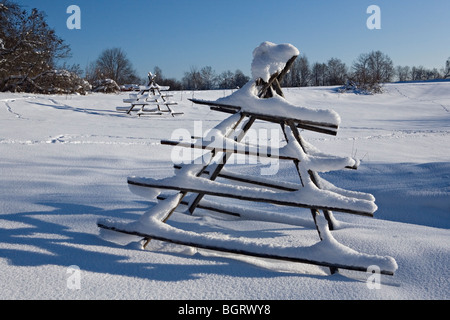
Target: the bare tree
(192, 79)
(299, 74)
(418, 73)
(240, 79)
(203, 79)
(114, 64)
(381, 67)
(433, 74)
(225, 80)
(29, 49)
(361, 72)
(318, 74)
(336, 72)
(230, 80)
(159, 78)
(372, 69)
(91, 73)
(304, 71)
(447, 69)
(403, 73)
(208, 78)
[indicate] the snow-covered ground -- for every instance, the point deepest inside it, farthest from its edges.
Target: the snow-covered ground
(65, 160)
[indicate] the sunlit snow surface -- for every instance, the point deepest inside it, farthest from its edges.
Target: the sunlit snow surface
(65, 161)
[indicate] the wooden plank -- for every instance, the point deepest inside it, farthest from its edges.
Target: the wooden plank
(239, 251)
(247, 151)
(262, 182)
(149, 183)
(273, 84)
(154, 87)
(158, 113)
(205, 207)
(144, 97)
(266, 87)
(268, 117)
(302, 125)
(321, 127)
(278, 119)
(154, 103)
(269, 183)
(215, 104)
(316, 129)
(225, 149)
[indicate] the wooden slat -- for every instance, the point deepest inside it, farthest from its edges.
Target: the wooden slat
(266, 90)
(321, 127)
(273, 117)
(153, 103)
(239, 251)
(208, 147)
(149, 183)
(159, 113)
(205, 207)
(247, 151)
(215, 104)
(262, 182)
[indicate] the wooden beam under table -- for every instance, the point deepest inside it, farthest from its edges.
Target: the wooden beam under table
(241, 251)
(218, 193)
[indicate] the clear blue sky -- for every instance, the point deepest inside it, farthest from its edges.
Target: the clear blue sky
(179, 34)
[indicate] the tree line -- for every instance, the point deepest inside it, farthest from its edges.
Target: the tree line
(368, 71)
(31, 55)
(114, 64)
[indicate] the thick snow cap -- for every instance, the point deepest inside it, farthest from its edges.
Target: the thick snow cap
(269, 58)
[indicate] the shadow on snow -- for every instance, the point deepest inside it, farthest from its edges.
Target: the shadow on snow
(56, 244)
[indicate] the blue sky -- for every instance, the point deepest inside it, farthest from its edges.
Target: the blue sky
(179, 34)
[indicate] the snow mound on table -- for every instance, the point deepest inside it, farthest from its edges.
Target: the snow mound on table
(270, 58)
(247, 99)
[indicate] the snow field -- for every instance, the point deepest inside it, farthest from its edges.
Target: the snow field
(65, 160)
